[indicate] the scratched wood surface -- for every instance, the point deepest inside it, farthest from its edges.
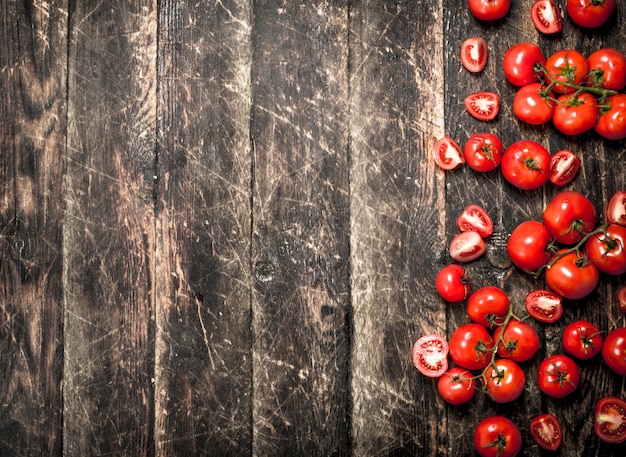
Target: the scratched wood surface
(220, 224)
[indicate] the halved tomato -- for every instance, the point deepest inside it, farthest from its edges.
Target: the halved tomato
(616, 208)
(448, 154)
(546, 431)
(609, 421)
(484, 106)
(621, 299)
(546, 16)
(475, 219)
(467, 246)
(564, 166)
(430, 355)
(474, 54)
(544, 305)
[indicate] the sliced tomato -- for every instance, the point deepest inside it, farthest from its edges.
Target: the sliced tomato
(610, 419)
(564, 166)
(546, 16)
(484, 106)
(448, 154)
(616, 208)
(474, 54)
(621, 299)
(430, 355)
(544, 305)
(475, 219)
(467, 246)
(546, 431)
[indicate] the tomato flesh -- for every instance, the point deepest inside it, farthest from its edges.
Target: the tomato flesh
(467, 246)
(546, 16)
(616, 208)
(475, 219)
(474, 54)
(447, 153)
(544, 305)
(546, 431)
(484, 106)
(610, 419)
(430, 355)
(564, 167)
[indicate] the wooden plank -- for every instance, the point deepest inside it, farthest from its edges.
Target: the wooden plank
(33, 43)
(203, 282)
(397, 210)
(109, 230)
(300, 247)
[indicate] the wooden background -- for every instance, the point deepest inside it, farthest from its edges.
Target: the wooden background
(220, 225)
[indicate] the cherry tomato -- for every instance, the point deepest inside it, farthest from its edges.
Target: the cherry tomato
(572, 275)
(483, 152)
(566, 66)
(533, 105)
(430, 355)
(609, 419)
(519, 63)
(607, 250)
(470, 346)
(456, 386)
(484, 106)
(475, 219)
(607, 69)
(467, 246)
(575, 114)
(544, 305)
(612, 120)
(564, 166)
(447, 153)
(453, 283)
(488, 306)
(621, 299)
(474, 54)
(569, 216)
(505, 381)
(558, 376)
(497, 436)
(528, 245)
(546, 16)
(517, 340)
(489, 10)
(582, 339)
(614, 350)
(590, 14)
(616, 208)
(526, 164)
(546, 431)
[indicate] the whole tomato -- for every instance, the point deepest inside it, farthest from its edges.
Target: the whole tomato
(453, 283)
(497, 436)
(489, 10)
(533, 104)
(612, 119)
(558, 376)
(519, 63)
(517, 340)
(571, 275)
(483, 151)
(456, 386)
(504, 381)
(526, 164)
(566, 67)
(575, 114)
(471, 346)
(607, 69)
(607, 250)
(488, 306)
(590, 14)
(569, 216)
(582, 339)
(614, 350)
(528, 245)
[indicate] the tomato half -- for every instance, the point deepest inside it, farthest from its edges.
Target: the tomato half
(590, 14)
(504, 381)
(558, 376)
(453, 283)
(566, 67)
(488, 306)
(517, 340)
(607, 69)
(572, 275)
(483, 106)
(582, 339)
(544, 305)
(467, 246)
(575, 113)
(533, 105)
(475, 219)
(447, 153)
(607, 250)
(614, 350)
(546, 16)
(497, 436)
(564, 166)
(569, 216)
(609, 419)
(546, 431)
(489, 10)
(456, 386)
(483, 152)
(526, 164)
(430, 355)
(528, 245)
(474, 54)
(471, 346)
(616, 208)
(519, 63)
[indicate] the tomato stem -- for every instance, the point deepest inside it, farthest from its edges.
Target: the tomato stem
(551, 82)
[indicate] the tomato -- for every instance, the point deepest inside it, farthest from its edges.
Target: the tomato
(430, 355)
(453, 283)
(558, 376)
(607, 250)
(447, 153)
(489, 10)
(528, 245)
(519, 63)
(614, 350)
(590, 13)
(564, 166)
(612, 120)
(546, 16)
(526, 164)
(616, 208)
(609, 419)
(575, 114)
(483, 151)
(467, 246)
(533, 105)
(456, 386)
(621, 299)
(484, 106)
(505, 381)
(582, 339)
(475, 219)
(471, 346)
(488, 306)
(572, 275)
(607, 69)
(566, 67)
(517, 340)
(474, 54)
(546, 431)
(569, 216)
(544, 305)
(497, 436)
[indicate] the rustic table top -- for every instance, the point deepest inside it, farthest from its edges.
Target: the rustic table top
(221, 223)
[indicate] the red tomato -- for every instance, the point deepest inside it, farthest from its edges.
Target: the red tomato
(558, 376)
(471, 346)
(526, 164)
(582, 339)
(575, 114)
(467, 246)
(544, 305)
(569, 216)
(430, 355)
(533, 105)
(497, 436)
(453, 283)
(528, 245)
(607, 250)
(483, 151)
(517, 340)
(546, 431)
(572, 275)
(475, 219)
(546, 16)
(447, 153)
(621, 299)
(607, 69)
(614, 350)
(566, 67)
(484, 106)
(612, 120)
(489, 10)
(474, 54)
(488, 306)
(564, 166)
(616, 208)
(519, 63)
(505, 381)
(609, 419)
(590, 14)
(456, 386)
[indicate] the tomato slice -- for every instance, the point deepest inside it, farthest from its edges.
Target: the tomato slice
(448, 154)
(546, 16)
(430, 355)
(564, 166)
(474, 54)
(610, 419)
(467, 246)
(475, 219)
(484, 106)
(544, 305)
(546, 431)
(621, 299)
(616, 208)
